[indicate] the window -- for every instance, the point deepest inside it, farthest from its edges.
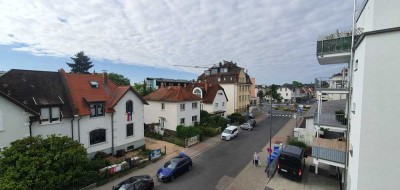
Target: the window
(94, 84)
(129, 107)
(194, 105)
(286, 94)
(50, 114)
(216, 105)
(182, 121)
(223, 104)
(285, 89)
(162, 106)
(220, 93)
(97, 136)
(182, 107)
(194, 118)
(353, 108)
(129, 130)
(197, 92)
(219, 79)
(96, 109)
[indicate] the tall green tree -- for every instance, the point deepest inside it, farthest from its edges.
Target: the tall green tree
(297, 84)
(260, 94)
(118, 79)
(273, 92)
(81, 63)
(142, 89)
(52, 163)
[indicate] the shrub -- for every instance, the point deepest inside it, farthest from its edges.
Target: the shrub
(297, 143)
(236, 118)
(187, 132)
(100, 155)
(210, 131)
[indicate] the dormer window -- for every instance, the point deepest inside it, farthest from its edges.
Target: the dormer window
(197, 92)
(94, 84)
(50, 115)
(96, 109)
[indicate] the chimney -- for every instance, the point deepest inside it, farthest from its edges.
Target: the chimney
(104, 76)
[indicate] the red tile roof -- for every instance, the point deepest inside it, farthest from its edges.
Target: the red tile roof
(171, 94)
(210, 90)
(83, 93)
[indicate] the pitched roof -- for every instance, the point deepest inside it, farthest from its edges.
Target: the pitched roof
(171, 94)
(209, 90)
(86, 88)
(32, 90)
(228, 76)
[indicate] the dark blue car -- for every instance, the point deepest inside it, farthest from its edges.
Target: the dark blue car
(175, 167)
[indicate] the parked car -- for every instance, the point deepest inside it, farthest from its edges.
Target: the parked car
(291, 162)
(252, 122)
(142, 182)
(175, 167)
(246, 126)
(229, 133)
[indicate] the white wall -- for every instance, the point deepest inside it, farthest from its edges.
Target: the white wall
(374, 131)
(88, 124)
(282, 91)
(218, 99)
(14, 122)
(153, 112)
(231, 93)
(188, 113)
(121, 140)
(58, 128)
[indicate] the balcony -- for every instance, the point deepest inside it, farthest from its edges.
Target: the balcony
(329, 149)
(327, 84)
(331, 120)
(336, 47)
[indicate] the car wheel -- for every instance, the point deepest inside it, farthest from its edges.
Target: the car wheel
(172, 178)
(189, 167)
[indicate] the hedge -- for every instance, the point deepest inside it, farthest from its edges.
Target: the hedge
(187, 132)
(210, 131)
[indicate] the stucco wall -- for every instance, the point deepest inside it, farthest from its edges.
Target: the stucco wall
(58, 128)
(153, 112)
(14, 123)
(230, 90)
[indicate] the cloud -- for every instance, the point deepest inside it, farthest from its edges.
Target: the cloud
(274, 40)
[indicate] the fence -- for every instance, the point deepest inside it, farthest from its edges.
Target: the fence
(192, 140)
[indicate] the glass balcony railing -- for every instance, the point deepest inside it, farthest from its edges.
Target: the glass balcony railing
(339, 42)
(329, 84)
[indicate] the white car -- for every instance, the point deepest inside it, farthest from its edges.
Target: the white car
(229, 133)
(246, 126)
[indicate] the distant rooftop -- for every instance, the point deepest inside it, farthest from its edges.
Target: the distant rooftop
(170, 80)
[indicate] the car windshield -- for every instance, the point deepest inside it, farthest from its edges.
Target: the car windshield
(171, 164)
(227, 131)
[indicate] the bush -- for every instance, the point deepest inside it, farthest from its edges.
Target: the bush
(175, 140)
(237, 118)
(297, 143)
(100, 155)
(210, 131)
(187, 132)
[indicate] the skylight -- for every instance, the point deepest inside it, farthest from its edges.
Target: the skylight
(94, 84)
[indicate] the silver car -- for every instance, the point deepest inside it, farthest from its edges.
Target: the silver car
(246, 126)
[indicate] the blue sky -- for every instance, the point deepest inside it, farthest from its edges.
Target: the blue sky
(274, 40)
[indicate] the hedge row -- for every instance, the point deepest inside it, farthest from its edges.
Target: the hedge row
(187, 132)
(210, 131)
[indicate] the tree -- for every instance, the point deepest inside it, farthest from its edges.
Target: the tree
(260, 94)
(142, 89)
(275, 95)
(297, 84)
(81, 64)
(118, 79)
(57, 162)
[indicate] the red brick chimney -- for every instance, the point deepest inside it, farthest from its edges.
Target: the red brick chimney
(105, 77)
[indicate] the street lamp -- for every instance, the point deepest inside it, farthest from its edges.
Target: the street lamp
(270, 126)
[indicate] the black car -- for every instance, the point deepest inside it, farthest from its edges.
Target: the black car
(175, 167)
(142, 182)
(291, 162)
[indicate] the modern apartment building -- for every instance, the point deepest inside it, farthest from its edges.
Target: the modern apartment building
(235, 81)
(369, 152)
(156, 83)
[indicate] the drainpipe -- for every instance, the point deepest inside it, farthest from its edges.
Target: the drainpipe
(72, 127)
(30, 128)
(79, 130)
(112, 133)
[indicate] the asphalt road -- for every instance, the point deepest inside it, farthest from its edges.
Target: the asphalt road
(223, 162)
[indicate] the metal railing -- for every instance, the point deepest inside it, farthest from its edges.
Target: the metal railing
(331, 119)
(338, 42)
(326, 83)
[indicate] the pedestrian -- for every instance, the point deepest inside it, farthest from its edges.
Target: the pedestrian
(255, 159)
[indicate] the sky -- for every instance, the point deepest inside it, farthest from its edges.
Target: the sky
(274, 40)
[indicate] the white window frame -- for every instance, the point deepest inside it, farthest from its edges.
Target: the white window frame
(194, 105)
(162, 106)
(182, 106)
(182, 123)
(194, 118)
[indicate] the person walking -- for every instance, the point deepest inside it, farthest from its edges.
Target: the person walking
(256, 157)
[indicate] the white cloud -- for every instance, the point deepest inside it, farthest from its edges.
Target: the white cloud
(274, 40)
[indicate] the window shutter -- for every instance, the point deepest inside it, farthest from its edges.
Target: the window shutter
(44, 113)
